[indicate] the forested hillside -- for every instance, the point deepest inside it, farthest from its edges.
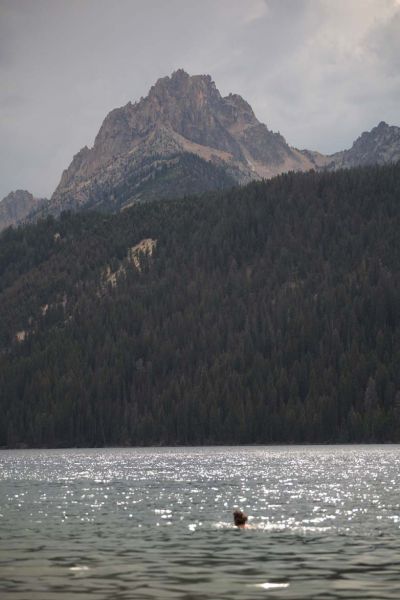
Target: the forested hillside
(264, 314)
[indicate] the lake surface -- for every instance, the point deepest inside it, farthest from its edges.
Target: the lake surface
(156, 523)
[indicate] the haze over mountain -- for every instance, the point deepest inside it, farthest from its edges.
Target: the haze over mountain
(319, 72)
(146, 141)
(379, 146)
(16, 206)
(141, 151)
(184, 138)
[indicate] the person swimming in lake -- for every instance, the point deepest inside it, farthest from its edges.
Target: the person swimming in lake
(239, 519)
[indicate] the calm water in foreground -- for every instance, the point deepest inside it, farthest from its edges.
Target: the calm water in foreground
(156, 523)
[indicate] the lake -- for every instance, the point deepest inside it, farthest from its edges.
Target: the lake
(156, 523)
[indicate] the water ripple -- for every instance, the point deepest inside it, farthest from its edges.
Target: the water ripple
(156, 523)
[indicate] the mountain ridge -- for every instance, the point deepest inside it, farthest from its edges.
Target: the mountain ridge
(380, 145)
(180, 114)
(185, 138)
(17, 206)
(187, 114)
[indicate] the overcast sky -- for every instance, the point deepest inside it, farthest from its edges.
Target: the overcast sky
(318, 71)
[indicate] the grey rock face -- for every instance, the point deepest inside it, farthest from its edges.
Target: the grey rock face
(16, 207)
(380, 146)
(181, 115)
(142, 150)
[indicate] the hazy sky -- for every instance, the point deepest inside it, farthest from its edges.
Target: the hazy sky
(319, 71)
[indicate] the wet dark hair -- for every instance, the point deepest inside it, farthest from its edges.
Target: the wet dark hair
(239, 518)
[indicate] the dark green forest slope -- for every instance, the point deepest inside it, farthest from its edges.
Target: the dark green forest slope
(266, 314)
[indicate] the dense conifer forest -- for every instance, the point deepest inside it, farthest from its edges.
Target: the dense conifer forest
(263, 314)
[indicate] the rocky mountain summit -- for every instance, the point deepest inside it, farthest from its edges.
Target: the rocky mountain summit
(184, 138)
(16, 207)
(184, 125)
(379, 146)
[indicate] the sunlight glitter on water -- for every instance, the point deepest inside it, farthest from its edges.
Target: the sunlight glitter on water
(271, 586)
(157, 523)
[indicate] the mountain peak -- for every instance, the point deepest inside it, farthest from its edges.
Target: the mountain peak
(382, 125)
(381, 145)
(175, 79)
(145, 150)
(180, 73)
(182, 114)
(182, 86)
(16, 206)
(379, 133)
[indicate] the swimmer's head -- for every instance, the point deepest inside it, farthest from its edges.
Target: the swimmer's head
(239, 518)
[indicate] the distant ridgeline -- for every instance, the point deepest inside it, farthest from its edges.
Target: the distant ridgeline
(268, 313)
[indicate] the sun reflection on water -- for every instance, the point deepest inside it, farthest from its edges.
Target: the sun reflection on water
(158, 522)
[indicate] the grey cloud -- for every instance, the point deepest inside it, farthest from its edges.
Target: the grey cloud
(384, 41)
(318, 71)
